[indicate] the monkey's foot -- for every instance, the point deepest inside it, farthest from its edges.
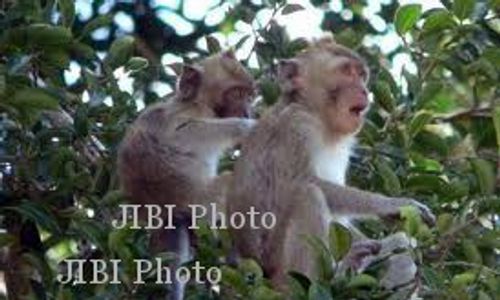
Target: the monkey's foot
(361, 250)
(401, 271)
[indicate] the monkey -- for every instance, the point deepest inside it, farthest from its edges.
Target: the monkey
(294, 162)
(170, 153)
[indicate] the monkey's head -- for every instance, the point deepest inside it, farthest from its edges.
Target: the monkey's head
(330, 80)
(219, 84)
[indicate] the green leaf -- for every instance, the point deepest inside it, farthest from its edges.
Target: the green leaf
(296, 46)
(362, 281)
(251, 269)
(495, 4)
(323, 258)
(319, 292)
(64, 294)
(426, 183)
(242, 41)
(463, 8)
(117, 238)
(419, 120)
(233, 278)
(485, 175)
(463, 279)
(349, 37)
(136, 63)
(298, 285)
(96, 23)
(92, 230)
(83, 51)
(37, 213)
(270, 91)
(6, 239)
(471, 252)
(120, 52)
(58, 58)
(483, 296)
(34, 99)
(392, 185)
(496, 123)
(492, 54)
(67, 8)
(340, 240)
(3, 80)
(45, 35)
(383, 96)
(245, 14)
(40, 264)
(81, 121)
(406, 17)
(483, 68)
(439, 19)
(291, 8)
(212, 44)
(457, 189)
(113, 197)
(429, 93)
(424, 164)
(264, 293)
(444, 223)
(412, 220)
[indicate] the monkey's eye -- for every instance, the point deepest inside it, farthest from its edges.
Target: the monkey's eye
(333, 93)
(362, 73)
(345, 69)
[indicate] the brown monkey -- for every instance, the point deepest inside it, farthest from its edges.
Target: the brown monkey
(170, 154)
(294, 162)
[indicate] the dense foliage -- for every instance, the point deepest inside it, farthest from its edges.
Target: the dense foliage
(433, 134)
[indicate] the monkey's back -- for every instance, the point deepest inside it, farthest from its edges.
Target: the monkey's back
(264, 178)
(151, 167)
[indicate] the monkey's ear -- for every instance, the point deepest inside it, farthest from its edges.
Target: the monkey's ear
(229, 54)
(289, 75)
(189, 83)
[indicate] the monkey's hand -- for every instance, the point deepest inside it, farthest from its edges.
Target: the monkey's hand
(247, 124)
(425, 212)
(244, 127)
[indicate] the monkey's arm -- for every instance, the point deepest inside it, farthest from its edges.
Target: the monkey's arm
(344, 200)
(216, 190)
(231, 129)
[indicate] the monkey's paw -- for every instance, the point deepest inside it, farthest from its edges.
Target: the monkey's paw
(361, 250)
(246, 125)
(425, 212)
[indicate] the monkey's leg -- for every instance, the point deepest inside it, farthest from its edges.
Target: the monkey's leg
(309, 216)
(400, 274)
(401, 270)
(177, 242)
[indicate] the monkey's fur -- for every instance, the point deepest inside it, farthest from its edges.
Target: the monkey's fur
(294, 162)
(170, 154)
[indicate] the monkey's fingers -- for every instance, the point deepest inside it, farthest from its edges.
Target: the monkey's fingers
(360, 251)
(373, 246)
(426, 214)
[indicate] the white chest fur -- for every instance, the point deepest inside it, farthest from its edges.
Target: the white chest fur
(331, 162)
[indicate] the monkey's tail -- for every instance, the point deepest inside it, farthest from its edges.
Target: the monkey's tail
(181, 242)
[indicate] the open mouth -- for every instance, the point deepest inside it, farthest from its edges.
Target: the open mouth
(357, 109)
